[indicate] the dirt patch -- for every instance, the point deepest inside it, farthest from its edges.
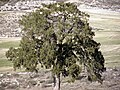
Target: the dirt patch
(43, 81)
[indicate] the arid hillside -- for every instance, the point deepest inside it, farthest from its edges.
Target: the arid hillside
(43, 81)
(113, 2)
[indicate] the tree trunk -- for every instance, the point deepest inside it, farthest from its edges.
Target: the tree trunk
(56, 82)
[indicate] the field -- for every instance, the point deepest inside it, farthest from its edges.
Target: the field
(5, 44)
(107, 25)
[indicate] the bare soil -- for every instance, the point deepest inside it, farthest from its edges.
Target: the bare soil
(43, 81)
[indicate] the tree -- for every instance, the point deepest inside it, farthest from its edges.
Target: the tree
(58, 37)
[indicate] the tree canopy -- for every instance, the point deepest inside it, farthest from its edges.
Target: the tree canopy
(58, 37)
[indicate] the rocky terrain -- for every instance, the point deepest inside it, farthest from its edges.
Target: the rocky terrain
(30, 4)
(9, 26)
(10, 13)
(43, 81)
(12, 10)
(105, 4)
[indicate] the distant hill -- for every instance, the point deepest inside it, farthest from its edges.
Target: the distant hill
(105, 4)
(111, 2)
(2, 2)
(115, 2)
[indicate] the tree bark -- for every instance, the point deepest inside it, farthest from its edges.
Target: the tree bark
(56, 82)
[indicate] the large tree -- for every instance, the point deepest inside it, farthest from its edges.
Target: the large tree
(58, 37)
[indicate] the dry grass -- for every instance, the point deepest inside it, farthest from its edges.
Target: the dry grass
(108, 36)
(5, 44)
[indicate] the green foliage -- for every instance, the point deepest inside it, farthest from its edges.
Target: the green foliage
(58, 37)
